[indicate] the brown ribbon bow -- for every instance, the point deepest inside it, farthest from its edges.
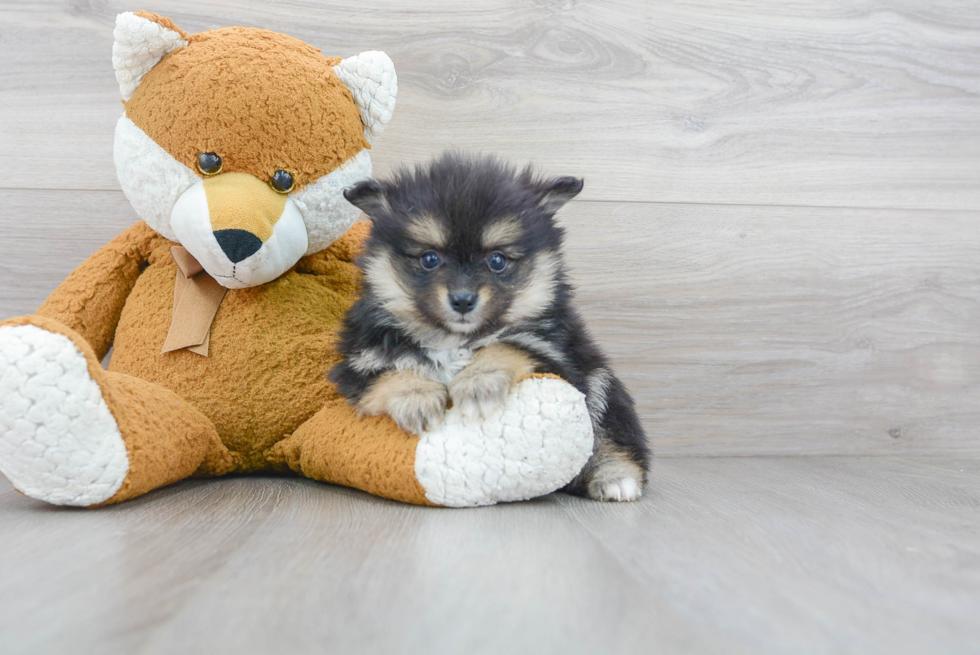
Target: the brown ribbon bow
(197, 297)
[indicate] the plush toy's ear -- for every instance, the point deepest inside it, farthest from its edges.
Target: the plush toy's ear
(369, 197)
(371, 78)
(555, 193)
(141, 40)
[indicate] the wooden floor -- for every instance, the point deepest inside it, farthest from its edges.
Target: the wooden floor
(778, 244)
(725, 555)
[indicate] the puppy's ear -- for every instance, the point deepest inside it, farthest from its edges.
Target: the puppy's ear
(555, 193)
(368, 196)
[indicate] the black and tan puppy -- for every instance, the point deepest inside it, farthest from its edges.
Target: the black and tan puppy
(466, 293)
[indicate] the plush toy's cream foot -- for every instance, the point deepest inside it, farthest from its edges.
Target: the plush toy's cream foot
(535, 444)
(72, 433)
(58, 440)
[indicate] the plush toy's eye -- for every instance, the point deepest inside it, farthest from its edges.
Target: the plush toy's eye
(430, 260)
(209, 163)
(282, 182)
(496, 262)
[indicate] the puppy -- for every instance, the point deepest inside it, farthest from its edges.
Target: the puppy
(465, 293)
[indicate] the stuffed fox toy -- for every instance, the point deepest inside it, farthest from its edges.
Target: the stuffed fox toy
(222, 304)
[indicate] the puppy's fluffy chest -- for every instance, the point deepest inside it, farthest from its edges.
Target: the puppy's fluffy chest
(442, 358)
(442, 364)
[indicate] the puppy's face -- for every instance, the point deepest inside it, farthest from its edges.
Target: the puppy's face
(463, 283)
(464, 248)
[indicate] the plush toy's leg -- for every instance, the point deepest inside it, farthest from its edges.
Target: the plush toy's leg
(72, 433)
(535, 445)
(369, 453)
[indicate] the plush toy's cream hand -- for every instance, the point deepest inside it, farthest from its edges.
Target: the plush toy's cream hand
(535, 444)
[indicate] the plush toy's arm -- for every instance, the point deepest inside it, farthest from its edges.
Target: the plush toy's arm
(91, 298)
(537, 443)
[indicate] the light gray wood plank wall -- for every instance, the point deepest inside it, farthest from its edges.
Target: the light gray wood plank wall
(740, 330)
(719, 249)
(818, 103)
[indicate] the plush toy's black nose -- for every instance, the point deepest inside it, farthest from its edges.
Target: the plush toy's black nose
(238, 244)
(463, 302)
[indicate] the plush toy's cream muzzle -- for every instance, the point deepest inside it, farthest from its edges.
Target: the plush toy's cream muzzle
(241, 231)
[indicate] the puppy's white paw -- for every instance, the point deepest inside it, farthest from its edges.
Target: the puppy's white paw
(613, 474)
(619, 489)
(480, 391)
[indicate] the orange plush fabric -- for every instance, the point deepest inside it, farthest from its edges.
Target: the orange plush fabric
(259, 401)
(370, 453)
(166, 438)
(91, 300)
(262, 101)
(270, 347)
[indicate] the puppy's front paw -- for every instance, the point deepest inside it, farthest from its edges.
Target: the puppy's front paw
(483, 386)
(415, 403)
(418, 411)
(479, 391)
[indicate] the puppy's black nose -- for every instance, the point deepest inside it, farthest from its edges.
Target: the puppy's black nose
(238, 244)
(463, 302)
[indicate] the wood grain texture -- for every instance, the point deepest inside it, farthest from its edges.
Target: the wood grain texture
(835, 103)
(775, 330)
(743, 555)
(743, 326)
(739, 330)
(46, 234)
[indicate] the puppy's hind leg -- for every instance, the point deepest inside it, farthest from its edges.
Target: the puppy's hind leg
(613, 474)
(619, 462)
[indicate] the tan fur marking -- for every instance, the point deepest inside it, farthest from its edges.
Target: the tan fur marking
(539, 291)
(482, 387)
(239, 201)
(428, 231)
(381, 275)
(416, 403)
(279, 105)
(452, 320)
(501, 233)
(501, 356)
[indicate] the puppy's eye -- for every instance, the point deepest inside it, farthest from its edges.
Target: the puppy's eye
(209, 163)
(430, 260)
(282, 182)
(496, 262)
